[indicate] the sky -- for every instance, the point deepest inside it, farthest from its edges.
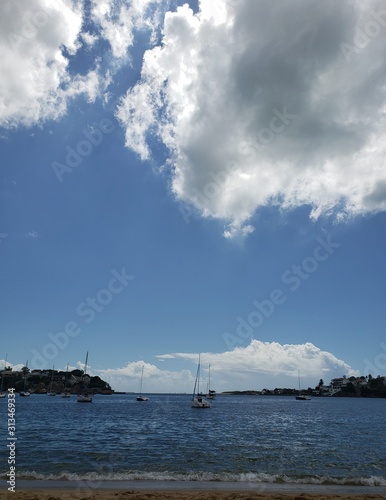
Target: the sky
(202, 177)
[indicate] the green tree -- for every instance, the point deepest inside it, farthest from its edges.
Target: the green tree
(350, 389)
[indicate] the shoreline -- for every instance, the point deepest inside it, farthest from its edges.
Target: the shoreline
(186, 490)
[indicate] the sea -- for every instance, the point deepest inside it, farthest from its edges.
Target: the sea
(244, 439)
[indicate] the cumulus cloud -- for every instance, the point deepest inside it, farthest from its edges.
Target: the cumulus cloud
(33, 234)
(258, 365)
(15, 366)
(267, 103)
(275, 359)
(37, 38)
(89, 39)
(155, 380)
(119, 19)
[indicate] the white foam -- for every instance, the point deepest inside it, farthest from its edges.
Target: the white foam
(248, 477)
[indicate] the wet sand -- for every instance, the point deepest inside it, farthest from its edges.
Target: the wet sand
(176, 495)
(176, 490)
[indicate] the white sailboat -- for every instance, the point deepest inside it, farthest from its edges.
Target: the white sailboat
(140, 397)
(84, 396)
(65, 393)
(51, 392)
(211, 394)
(2, 393)
(198, 400)
(300, 396)
(25, 393)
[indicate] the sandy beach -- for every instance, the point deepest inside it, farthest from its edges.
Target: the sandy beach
(56, 494)
(183, 490)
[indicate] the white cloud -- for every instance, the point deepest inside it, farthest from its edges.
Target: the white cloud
(15, 367)
(88, 38)
(256, 366)
(262, 103)
(166, 356)
(155, 380)
(36, 40)
(275, 359)
(118, 20)
(33, 234)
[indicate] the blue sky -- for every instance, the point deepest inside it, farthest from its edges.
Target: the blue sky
(229, 201)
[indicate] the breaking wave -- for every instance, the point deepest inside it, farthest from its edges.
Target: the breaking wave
(205, 476)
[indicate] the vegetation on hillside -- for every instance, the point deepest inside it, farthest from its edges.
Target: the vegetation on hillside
(43, 381)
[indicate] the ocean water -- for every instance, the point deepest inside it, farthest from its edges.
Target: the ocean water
(241, 438)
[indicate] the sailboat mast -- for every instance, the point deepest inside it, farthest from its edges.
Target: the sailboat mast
(140, 387)
(2, 376)
(85, 365)
(197, 378)
(25, 375)
(199, 374)
(65, 380)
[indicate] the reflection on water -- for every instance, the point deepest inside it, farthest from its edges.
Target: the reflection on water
(239, 438)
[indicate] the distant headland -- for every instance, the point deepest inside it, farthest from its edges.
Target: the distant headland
(57, 381)
(357, 387)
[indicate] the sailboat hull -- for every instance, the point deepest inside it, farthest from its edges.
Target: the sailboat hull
(196, 403)
(140, 397)
(300, 396)
(84, 398)
(199, 400)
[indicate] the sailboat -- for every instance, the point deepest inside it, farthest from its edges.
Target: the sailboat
(51, 392)
(2, 393)
(65, 393)
(140, 397)
(198, 400)
(84, 396)
(25, 392)
(210, 394)
(301, 397)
